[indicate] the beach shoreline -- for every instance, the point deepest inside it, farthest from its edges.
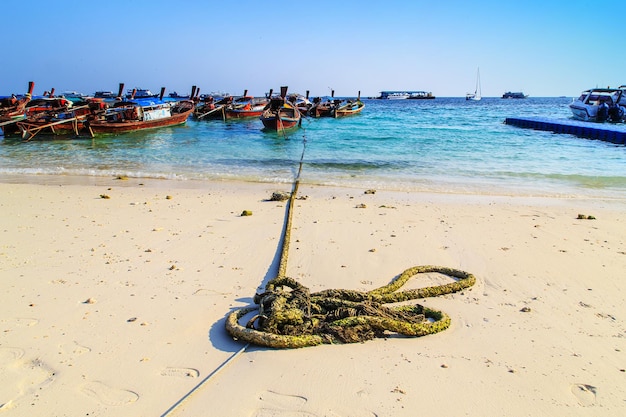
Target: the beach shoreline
(117, 290)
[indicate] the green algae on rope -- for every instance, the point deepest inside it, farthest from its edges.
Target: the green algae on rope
(293, 318)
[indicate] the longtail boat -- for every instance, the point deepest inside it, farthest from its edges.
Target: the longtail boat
(209, 108)
(245, 107)
(324, 108)
(130, 116)
(56, 116)
(280, 114)
(13, 108)
(301, 102)
(351, 108)
(49, 114)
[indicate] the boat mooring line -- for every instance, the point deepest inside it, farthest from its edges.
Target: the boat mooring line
(283, 265)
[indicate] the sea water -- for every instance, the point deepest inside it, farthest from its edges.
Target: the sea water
(440, 145)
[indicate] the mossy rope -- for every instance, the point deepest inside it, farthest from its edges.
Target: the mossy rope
(290, 317)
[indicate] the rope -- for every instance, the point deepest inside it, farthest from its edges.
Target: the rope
(281, 271)
(289, 316)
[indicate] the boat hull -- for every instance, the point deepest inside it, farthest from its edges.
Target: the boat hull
(584, 113)
(344, 112)
(242, 114)
(29, 129)
(278, 124)
(321, 110)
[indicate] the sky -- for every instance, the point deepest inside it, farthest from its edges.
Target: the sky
(544, 48)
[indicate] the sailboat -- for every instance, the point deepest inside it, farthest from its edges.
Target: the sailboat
(476, 96)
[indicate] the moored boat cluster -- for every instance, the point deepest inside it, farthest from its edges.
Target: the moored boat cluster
(75, 114)
(276, 112)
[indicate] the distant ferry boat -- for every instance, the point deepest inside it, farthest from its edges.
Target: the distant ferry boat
(403, 95)
(396, 95)
(421, 95)
(510, 94)
(104, 94)
(140, 93)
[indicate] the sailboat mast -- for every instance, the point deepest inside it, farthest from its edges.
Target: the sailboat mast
(477, 91)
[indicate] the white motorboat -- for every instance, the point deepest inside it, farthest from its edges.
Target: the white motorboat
(600, 104)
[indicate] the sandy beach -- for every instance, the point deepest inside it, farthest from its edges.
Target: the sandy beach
(115, 293)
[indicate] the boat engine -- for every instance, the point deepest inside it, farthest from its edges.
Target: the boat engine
(603, 112)
(616, 113)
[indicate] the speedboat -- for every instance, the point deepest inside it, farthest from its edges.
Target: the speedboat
(600, 104)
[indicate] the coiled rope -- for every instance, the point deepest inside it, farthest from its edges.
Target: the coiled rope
(289, 316)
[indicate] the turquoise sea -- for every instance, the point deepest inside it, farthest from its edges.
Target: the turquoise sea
(440, 145)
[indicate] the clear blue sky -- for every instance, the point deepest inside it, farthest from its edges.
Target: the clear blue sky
(540, 47)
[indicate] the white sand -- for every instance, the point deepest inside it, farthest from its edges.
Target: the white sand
(116, 306)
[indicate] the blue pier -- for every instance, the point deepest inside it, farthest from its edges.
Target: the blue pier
(614, 133)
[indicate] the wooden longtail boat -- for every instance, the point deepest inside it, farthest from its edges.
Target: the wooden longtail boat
(131, 116)
(245, 107)
(280, 114)
(321, 108)
(351, 108)
(13, 108)
(301, 102)
(49, 114)
(211, 109)
(140, 114)
(59, 119)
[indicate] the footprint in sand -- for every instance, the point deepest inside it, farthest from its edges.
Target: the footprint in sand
(586, 394)
(20, 377)
(73, 349)
(108, 395)
(181, 372)
(16, 323)
(9, 355)
(285, 405)
(269, 412)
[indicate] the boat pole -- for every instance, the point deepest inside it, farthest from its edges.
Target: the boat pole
(211, 111)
